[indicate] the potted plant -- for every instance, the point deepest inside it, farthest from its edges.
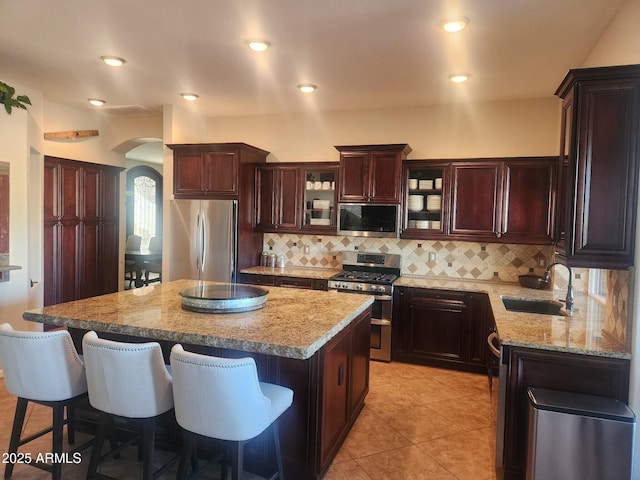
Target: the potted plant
(6, 97)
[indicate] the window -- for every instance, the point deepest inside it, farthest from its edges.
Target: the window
(144, 203)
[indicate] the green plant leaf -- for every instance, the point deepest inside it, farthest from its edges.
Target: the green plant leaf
(23, 99)
(7, 107)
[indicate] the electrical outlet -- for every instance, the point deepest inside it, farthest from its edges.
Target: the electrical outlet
(541, 262)
(306, 249)
(432, 256)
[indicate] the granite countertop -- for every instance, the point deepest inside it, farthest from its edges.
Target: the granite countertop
(579, 332)
(295, 323)
(301, 272)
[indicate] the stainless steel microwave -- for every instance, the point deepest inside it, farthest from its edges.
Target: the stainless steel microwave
(368, 220)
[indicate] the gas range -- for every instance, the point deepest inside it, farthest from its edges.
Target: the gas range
(367, 273)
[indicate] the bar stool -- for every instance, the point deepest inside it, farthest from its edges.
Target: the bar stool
(43, 368)
(130, 381)
(221, 398)
(492, 360)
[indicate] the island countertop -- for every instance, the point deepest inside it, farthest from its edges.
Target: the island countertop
(295, 323)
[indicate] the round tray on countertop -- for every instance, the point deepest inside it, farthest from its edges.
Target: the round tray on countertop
(227, 298)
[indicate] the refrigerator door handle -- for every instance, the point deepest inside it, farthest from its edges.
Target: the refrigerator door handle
(203, 242)
(198, 247)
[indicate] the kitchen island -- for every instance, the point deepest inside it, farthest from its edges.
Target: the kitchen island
(316, 343)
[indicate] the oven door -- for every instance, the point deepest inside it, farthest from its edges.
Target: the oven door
(380, 342)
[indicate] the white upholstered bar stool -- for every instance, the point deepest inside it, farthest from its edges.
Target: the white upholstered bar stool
(43, 368)
(221, 398)
(130, 381)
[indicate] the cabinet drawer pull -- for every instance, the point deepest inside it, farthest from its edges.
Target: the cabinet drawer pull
(341, 374)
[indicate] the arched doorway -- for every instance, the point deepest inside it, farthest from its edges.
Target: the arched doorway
(144, 203)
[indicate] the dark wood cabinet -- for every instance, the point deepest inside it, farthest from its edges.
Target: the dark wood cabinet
(371, 173)
(440, 327)
(528, 201)
(509, 200)
(600, 134)
(278, 198)
(283, 281)
(476, 194)
(223, 171)
(426, 198)
(211, 170)
(81, 229)
(522, 368)
(319, 203)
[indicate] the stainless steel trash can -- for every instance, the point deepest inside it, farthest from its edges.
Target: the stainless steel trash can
(578, 437)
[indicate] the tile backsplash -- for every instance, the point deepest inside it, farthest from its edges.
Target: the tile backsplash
(456, 260)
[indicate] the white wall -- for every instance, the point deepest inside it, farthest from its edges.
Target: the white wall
(487, 129)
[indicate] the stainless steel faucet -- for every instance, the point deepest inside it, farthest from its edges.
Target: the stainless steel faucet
(569, 299)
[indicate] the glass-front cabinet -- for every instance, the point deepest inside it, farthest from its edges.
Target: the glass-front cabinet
(425, 199)
(320, 185)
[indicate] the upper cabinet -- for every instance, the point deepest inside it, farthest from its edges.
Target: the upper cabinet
(371, 173)
(507, 200)
(600, 145)
(425, 198)
(211, 170)
(278, 197)
(296, 197)
(320, 183)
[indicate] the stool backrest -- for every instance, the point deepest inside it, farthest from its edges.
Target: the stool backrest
(41, 366)
(126, 379)
(218, 397)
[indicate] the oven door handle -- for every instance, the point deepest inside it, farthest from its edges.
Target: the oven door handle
(383, 298)
(382, 323)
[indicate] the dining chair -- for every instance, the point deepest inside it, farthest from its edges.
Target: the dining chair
(42, 368)
(154, 265)
(133, 243)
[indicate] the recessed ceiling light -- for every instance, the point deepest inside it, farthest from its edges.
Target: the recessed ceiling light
(455, 25)
(459, 77)
(96, 102)
(258, 45)
(113, 61)
(307, 88)
(189, 96)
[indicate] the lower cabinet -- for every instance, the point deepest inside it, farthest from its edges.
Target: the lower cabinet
(283, 281)
(440, 327)
(522, 368)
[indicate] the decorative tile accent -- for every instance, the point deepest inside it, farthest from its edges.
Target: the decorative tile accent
(617, 308)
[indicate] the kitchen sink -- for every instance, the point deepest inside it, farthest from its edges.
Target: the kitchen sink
(528, 305)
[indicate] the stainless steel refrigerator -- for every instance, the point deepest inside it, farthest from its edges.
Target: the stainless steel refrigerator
(204, 242)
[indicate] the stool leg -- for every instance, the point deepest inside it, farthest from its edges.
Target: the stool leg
(96, 451)
(148, 444)
(237, 460)
(71, 423)
(276, 445)
(188, 442)
(18, 421)
(58, 435)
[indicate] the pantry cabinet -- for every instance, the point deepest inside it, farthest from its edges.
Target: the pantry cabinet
(440, 327)
(81, 229)
(600, 143)
(371, 173)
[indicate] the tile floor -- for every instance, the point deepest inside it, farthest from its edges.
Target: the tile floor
(418, 423)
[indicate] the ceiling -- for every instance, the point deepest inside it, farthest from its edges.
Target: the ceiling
(361, 54)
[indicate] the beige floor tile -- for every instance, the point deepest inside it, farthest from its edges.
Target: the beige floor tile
(404, 463)
(349, 470)
(370, 435)
(467, 412)
(420, 424)
(465, 455)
